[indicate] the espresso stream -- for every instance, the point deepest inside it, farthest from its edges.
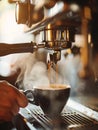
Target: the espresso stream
(53, 75)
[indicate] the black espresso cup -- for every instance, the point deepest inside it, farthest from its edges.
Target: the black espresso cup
(51, 99)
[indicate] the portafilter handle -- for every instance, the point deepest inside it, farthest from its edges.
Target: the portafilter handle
(6, 49)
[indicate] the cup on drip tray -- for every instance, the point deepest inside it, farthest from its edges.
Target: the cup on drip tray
(51, 98)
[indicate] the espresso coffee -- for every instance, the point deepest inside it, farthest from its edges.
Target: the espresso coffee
(52, 99)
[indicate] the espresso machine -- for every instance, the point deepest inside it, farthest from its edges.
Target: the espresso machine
(57, 22)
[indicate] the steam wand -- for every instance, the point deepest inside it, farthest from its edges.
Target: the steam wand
(6, 49)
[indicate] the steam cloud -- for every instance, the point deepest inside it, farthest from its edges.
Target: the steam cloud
(35, 73)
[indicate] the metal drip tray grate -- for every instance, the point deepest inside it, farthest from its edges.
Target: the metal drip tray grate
(76, 120)
(68, 120)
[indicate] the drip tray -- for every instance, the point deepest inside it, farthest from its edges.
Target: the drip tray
(68, 120)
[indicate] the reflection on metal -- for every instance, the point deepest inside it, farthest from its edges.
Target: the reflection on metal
(27, 14)
(83, 109)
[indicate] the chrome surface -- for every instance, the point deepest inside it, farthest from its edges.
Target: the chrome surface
(71, 117)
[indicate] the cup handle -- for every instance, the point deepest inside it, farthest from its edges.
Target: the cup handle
(30, 96)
